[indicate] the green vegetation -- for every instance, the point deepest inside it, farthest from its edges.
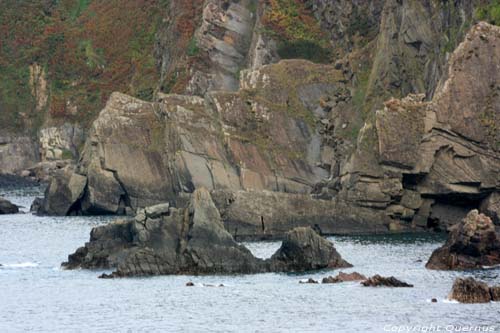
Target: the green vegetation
(490, 12)
(297, 31)
(192, 48)
(87, 48)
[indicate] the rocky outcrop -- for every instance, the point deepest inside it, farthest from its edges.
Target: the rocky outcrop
(427, 164)
(304, 250)
(66, 189)
(380, 281)
(226, 141)
(473, 243)
(7, 207)
(344, 277)
(469, 290)
(192, 240)
(411, 168)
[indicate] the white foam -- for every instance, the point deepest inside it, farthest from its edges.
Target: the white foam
(21, 265)
(451, 301)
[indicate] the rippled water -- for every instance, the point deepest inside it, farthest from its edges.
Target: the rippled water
(37, 296)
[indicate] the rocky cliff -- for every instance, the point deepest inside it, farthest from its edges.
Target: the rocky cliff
(210, 96)
(275, 153)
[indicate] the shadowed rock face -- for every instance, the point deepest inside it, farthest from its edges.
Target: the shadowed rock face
(469, 290)
(473, 243)
(193, 240)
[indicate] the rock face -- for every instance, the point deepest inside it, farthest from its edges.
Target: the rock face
(17, 153)
(225, 142)
(60, 143)
(427, 164)
(414, 165)
(6, 207)
(193, 240)
(473, 243)
(380, 281)
(469, 290)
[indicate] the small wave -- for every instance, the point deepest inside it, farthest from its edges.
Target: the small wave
(21, 265)
(451, 301)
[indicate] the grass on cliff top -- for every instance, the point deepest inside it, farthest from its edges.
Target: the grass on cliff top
(298, 33)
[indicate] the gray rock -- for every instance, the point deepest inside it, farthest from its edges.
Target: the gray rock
(304, 250)
(157, 210)
(193, 240)
(7, 207)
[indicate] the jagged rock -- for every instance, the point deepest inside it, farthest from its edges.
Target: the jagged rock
(344, 277)
(192, 240)
(303, 250)
(7, 207)
(444, 167)
(63, 192)
(469, 290)
(380, 281)
(471, 244)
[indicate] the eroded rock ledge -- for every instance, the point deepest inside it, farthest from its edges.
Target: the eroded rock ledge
(192, 240)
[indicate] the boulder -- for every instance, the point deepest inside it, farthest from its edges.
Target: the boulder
(344, 277)
(193, 240)
(471, 244)
(309, 281)
(469, 290)
(63, 192)
(303, 250)
(380, 281)
(7, 207)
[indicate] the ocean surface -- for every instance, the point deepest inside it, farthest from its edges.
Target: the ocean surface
(36, 295)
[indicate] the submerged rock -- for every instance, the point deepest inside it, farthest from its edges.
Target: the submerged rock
(469, 290)
(7, 207)
(380, 281)
(309, 281)
(193, 240)
(344, 277)
(472, 244)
